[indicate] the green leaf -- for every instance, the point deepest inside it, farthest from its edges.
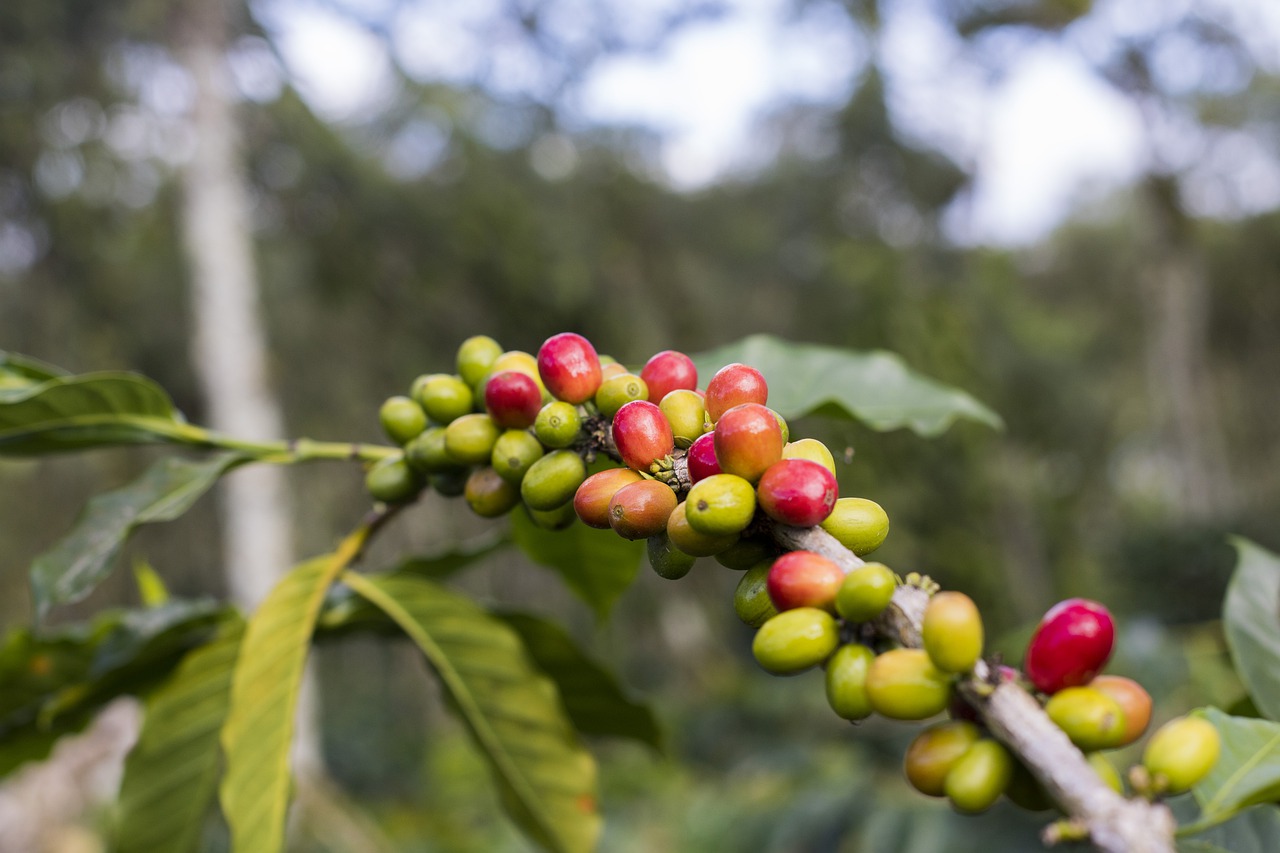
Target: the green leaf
(598, 565)
(151, 587)
(71, 569)
(264, 696)
(448, 563)
(1253, 831)
(875, 387)
(170, 775)
(547, 781)
(20, 372)
(1247, 773)
(594, 701)
(1251, 617)
(91, 410)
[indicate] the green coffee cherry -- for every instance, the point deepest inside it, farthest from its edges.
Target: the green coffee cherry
(865, 592)
(667, 560)
(1025, 791)
(1181, 753)
(751, 598)
(796, 640)
(691, 541)
(476, 356)
(934, 752)
(616, 391)
(811, 449)
(685, 411)
(746, 553)
(782, 426)
(903, 684)
(558, 424)
(1092, 719)
(445, 398)
(847, 681)
(553, 479)
(979, 777)
(720, 505)
(470, 439)
(392, 481)
(553, 519)
(489, 494)
(427, 453)
(952, 631)
(451, 483)
(1106, 771)
(514, 453)
(858, 524)
(402, 419)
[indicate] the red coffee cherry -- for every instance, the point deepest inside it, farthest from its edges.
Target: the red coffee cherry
(569, 367)
(640, 510)
(702, 458)
(733, 385)
(748, 440)
(1133, 700)
(591, 501)
(642, 434)
(668, 371)
(512, 400)
(1070, 646)
(804, 579)
(798, 492)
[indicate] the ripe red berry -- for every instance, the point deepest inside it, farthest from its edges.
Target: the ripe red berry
(642, 434)
(733, 385)
(569, 367)
(804, 579)
(798, 492)
(702, 458)
(668, 371)
(1070, 646)
(513, 400)
(640, 510)
(591, 500)
(748, 440)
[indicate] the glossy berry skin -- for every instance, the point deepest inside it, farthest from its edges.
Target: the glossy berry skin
(476, 356)
(1134, 701)
(952, 631)
(668, 371)
(733, 385)
(747, 441)
(666, 560)
(558, 424)
(702, 458)
(751, 597)
(519, 361)
(903, 684)
(642, 434)
(811, 449)
(858, 524)
(720, 505)
(512, 399)
(444, 398)
(798, 492)
(747, 553)
(552, 519)
(1070, 646)
(847, 681)
(796, 640)
(1106, 771)
(569, 367)
(428, 454)
(553, 480)
(402, 419)
(470, 439)
(1091, 718)
(979, 777)
(392, 481)
(616, 391)
(865, 592)
(490, 495)
(692, 542)
(591, 500)
(1182, 752)
(514, 453)
(804, 579)
(934, 752)
(640, 510)
(685, 412)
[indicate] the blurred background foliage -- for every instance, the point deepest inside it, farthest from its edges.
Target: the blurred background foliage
(1132, 354)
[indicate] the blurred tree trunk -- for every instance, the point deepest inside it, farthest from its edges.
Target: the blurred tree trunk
(229, 344)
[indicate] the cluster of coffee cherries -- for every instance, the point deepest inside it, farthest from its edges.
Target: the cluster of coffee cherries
(713, 473)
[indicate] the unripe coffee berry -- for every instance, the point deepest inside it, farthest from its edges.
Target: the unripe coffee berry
(591, 500)
(751, 597)
(642, 435)
(804, 579)
(512, 399)
(444, 398)
(903, 684)
(490, 495)
(569, 367)
(796, 640)
(428, 452)
(553, 480)
(1091, 718)
(668, 371)
(952, 631)
(392, 481)
(798, 492)
(1070, 646)
(701, 458)
(616, 391)
(811, 449)
(476, 356)
(514, 453)
(470, 439)
(1134, 701)
(1106, 771)
(519, 361)
(1181, 753)
(847, 681)
(552, 519)
(733, 385)
(402, 419)
(858, 524)
(748, 552)
(865, 592)
(747, 441)
(720, 505)
(558, 424)
(691, 541)
(640, 510)
(979, 777)
(686, 414)
(667, 560)
(934, 752)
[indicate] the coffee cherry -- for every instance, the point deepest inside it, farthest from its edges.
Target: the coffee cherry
(751, 597)
(451, 482)
(512, 399)
(720, 505)
(514, 453)
(616, 391)
(782, 426)
(733, 385)
(979, 777)
(701, 458)
(558, 424)
(1181, 753)
(402, 419)
(903, 684)
(952, 631)
(610, 369)
(1070, 646)
(1134, 701)
(519, 361)
(642, 434)
(847, 681)
(686, 414)
(865, 592)
(591, 501)
(476, 356)
(1106, 771)
(569, 367)
(444, 398)
(667, 371)
(640, 510)
(667, 560)
(490, 495)
(1025, 791)
(427, 453)
(470, 439)
(934, 752)
(692, 542)
(858, 524)
(553, 519)
(553, 480)
(804, 579)
(811, 449)
(797, 492)
(747, 552)
(796, 640)
(1091, 718)
(392, 481)
(747, 441)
